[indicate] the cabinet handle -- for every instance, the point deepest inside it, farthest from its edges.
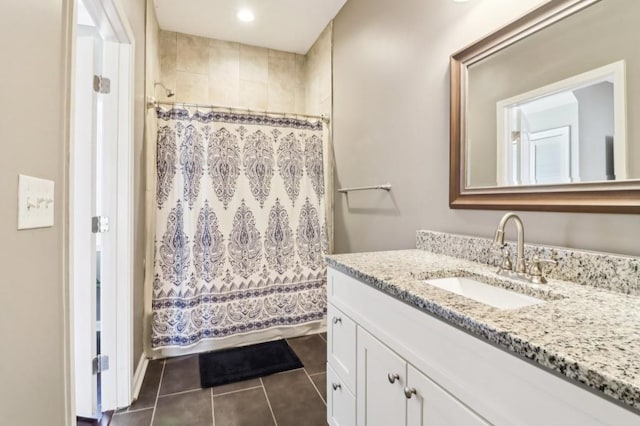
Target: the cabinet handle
(409, 392)
(336, 386)
(393, 377)
(337, 320)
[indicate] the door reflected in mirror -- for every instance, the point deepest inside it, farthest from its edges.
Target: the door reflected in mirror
(567, 132)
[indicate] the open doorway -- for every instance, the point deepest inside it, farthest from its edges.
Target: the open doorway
(100, 189)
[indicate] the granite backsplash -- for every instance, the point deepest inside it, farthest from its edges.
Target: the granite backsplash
(602, 270)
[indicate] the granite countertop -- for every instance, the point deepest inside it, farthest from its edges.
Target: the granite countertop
(587, 334)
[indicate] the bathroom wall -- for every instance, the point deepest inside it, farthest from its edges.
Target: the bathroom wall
(136, 13)
(318, 98)
(34, 314)
(317, 75)
(32, 121)
(203, 70)
(209, 71)
(151, 74)
(391, 123)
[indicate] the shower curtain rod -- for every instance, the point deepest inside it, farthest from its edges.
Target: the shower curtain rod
(153, 103)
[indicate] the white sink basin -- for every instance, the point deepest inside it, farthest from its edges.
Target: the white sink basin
(484, 293)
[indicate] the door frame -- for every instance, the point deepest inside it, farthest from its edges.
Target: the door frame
(83, 196)
(112, 19)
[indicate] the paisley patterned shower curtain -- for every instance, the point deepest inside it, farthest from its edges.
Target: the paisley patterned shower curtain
(240, 233)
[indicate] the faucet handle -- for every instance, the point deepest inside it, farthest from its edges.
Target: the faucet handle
(535, 271)
(506, 264)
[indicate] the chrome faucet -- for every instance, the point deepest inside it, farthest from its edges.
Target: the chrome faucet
(520, 267)
(534, 274)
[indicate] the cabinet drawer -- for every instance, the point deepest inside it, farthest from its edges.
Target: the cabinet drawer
(341, 404)
(431, 405)
(341, 346)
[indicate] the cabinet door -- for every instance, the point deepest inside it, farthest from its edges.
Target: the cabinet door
(429, 404)
(341, 346)
(381, 381)
(341, 404)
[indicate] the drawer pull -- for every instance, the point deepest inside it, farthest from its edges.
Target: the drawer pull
(336, 386)
(337, 320)
(409, 392)
(393, 377)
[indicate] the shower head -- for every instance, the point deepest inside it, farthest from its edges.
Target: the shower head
(168, 92)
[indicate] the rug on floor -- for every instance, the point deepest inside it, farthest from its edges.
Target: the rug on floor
(232, 365)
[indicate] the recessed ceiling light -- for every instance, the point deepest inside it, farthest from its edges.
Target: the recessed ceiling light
(245, 15)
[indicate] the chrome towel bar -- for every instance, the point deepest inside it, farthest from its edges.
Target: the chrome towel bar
(385, 187)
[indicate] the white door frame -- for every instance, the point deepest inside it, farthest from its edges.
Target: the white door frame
(614, 73)
(114, 26)
(82, 201)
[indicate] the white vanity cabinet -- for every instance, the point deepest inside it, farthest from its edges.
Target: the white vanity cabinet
(393, 392)
(430, 405)
(341, 403)
(341, 368)
(392, 364)
(341, 348)
(381, 377)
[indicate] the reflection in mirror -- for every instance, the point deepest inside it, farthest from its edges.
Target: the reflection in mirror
(564, 132)
(550, 108)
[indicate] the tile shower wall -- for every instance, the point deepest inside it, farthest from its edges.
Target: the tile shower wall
(209, 71)
(318, 74)
(318, 99)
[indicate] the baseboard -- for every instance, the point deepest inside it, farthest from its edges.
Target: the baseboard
(138, 377)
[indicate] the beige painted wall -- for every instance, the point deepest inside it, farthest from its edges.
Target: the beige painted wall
(136, 13)
(31, 132)
(208, 71)
(152, 74)
(391, 123)
(32, 370)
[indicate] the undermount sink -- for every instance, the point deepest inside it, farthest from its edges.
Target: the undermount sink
(484, 293)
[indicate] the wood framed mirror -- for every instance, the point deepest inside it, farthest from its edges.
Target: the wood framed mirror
(543, 112)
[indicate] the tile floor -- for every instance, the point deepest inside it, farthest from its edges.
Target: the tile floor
(171, 394)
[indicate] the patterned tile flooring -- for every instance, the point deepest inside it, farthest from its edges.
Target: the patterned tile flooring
(171, 394)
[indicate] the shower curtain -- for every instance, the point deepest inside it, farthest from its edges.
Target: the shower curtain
(241, 228)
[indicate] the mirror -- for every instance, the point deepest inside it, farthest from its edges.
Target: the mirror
(539, 112)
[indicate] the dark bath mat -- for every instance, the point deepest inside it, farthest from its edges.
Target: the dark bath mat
(248, 362)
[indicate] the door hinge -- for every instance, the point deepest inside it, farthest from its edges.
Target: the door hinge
(100, 364)
(99, 224)
(101, 84)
